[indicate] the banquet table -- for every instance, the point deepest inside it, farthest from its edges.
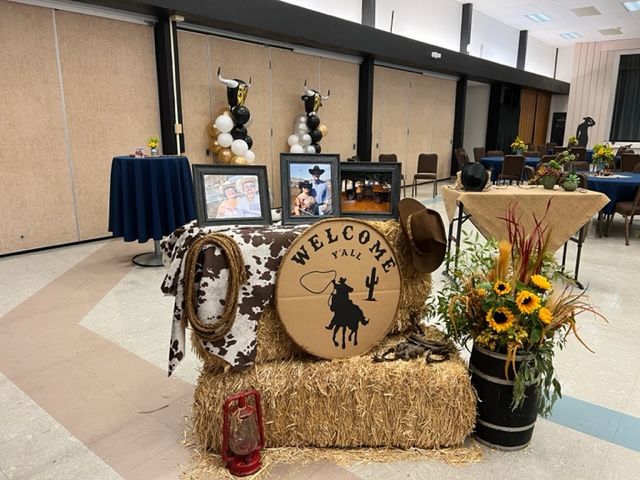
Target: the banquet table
(495, 164)
(149, 197)
(618, 187)
(567, 213)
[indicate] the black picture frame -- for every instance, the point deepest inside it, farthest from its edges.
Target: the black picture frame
(217, 205)
(379, 185)
(294, 169)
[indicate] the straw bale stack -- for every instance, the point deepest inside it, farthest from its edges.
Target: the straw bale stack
(345, 403)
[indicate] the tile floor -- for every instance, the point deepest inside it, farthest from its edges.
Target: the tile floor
(84, 394)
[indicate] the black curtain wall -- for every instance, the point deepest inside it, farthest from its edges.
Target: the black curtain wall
(625, 126)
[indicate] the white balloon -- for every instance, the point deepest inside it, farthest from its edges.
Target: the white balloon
(302, 127)
(305, 140)
(309, 149)
(303, 119)
(293, 140)
(250, 156)
(225, 140)
(239, 147)
(297, 149)
(224, 123)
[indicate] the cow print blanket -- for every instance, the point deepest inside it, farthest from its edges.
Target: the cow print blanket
(262, 249)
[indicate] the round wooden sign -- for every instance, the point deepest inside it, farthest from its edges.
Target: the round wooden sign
(338, 288)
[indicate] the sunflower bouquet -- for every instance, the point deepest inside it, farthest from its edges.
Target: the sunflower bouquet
(505, 297)
(518, 145)
(603, 156)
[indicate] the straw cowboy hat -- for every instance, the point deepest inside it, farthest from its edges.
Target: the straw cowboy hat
(316, 170)
(425, 233)
(244, 180)
(227, 184)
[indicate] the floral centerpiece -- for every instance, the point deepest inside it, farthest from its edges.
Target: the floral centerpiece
(548, 174)
(153, 144)
(565, 157)
(572, 142)
(503, 297)
(603, 156)
(518, 146)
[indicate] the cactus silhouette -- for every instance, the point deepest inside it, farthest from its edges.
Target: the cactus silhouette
(371, 283)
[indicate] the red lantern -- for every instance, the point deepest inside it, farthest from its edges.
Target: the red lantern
(242, 433)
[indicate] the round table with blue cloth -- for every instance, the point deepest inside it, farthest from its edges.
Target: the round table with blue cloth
(495, 164)
(620, 187)
(150, 197)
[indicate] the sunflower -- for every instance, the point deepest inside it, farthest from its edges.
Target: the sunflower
(501, 288)
(481, 292)
(545, 315)
(500, 319)
(541, 282)
(528, 302)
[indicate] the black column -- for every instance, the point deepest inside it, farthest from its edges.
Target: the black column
(458, 121)
(369, 13)
(522, 49)
(365, 110)
(169, 122)
(465, 27)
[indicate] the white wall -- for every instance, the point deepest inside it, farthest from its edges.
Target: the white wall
(559, 103)
(565, 63)
(541, 57)
(435, 21)
(346, 9)
(493, 40)
(475, 117)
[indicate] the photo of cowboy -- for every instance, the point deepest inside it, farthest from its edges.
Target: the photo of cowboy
(232, 196)
(310, 189)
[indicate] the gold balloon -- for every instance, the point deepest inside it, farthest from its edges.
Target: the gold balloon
(238, 160)
(212, 130)
(214, 146)
(225, 155)
(324, 130)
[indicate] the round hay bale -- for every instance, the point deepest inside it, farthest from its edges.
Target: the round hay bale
(345, 403)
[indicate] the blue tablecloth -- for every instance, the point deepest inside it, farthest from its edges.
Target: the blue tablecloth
(150, 197)
(495, 164)
(617, 189)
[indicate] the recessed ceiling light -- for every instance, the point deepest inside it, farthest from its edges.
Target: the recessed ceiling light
(610, 31)
(632, 6)
(538, 17)
(586, 11)
(570, 35)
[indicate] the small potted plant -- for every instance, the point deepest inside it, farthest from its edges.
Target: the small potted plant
(570, 182)
(153, 144)
(548, 174)
(518, 146)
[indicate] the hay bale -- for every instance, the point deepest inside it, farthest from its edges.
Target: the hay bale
(275, 344)
(345, 403)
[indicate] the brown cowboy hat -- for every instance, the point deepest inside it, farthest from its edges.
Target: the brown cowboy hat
(425, 233)
(316, 170)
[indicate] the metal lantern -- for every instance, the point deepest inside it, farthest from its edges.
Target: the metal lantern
(242, 433)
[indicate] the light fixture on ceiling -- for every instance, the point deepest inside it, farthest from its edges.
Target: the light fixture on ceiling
(570, 35)
(610, 31)
(538, 17)
(585, 11)
(632, 6)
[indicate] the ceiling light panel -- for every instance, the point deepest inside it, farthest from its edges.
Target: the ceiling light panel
(610, 31)
(632, 6)
(570, 35)
(538, 17)
(585, 11)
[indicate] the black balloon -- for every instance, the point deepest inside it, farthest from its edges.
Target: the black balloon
(316, 135)
(238, 132)
(249, 141)
(317, 147)
(313, 121)
(240, 114)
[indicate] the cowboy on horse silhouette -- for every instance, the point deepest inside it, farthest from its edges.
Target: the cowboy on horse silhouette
(345, 312)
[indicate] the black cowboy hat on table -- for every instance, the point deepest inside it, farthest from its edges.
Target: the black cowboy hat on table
(425, 233)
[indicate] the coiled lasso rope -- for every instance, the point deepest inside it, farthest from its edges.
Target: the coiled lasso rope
(237, 276)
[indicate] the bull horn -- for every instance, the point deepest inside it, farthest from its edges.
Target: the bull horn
(328, 94)
(228, 83)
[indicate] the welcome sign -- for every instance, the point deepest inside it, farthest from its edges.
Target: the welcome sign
(338, 288)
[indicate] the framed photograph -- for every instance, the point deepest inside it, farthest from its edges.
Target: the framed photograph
(237, 195)
(370, 190)
(309, 187)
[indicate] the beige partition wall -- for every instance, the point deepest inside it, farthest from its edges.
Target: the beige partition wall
(413, 114)
(111, 101)
(36, 199)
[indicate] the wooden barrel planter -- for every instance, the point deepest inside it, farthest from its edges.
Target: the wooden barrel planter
(497, 426)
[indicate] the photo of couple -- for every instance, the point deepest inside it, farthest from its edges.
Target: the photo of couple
(232, 196)
(310, 196)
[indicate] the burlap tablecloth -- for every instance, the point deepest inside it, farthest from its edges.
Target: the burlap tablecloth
(567, 213)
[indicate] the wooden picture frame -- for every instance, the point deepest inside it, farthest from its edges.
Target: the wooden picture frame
(320, 200)
(225, 195)
(370, 190)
